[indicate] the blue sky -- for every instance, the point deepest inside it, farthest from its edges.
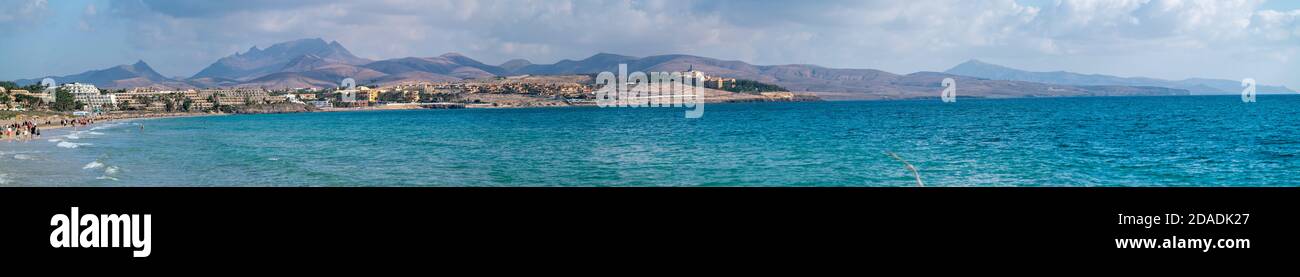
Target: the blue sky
(1172, 39)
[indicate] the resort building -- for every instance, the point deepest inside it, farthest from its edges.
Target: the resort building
(236, 96)
(154, 99)
(96, 101)
(198, 103)
(89, 95)
(79, 88)
(347, 95)
(367, 94)
(46, 97)
(320, 103)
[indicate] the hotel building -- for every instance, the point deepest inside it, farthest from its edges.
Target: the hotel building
(88, 94)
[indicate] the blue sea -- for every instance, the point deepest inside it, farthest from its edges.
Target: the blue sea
(1102, 141)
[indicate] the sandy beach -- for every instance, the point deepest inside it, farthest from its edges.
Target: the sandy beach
(54, 121)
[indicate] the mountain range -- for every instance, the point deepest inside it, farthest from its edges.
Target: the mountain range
(127, 75)
(320, 64)
(980, 69)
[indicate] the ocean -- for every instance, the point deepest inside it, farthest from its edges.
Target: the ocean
(1096, 141)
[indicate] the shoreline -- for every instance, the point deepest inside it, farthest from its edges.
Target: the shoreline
(52, 123)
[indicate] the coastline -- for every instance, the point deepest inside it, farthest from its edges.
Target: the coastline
(52, 123)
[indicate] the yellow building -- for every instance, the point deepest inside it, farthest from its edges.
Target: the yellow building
(367, 94)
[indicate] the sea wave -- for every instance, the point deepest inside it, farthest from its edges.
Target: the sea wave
(24, 157)
(106, 126)
(71, 145)
(108, 173)
(4, 179)
(93, 165)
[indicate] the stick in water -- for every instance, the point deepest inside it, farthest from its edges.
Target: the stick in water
(909, 167)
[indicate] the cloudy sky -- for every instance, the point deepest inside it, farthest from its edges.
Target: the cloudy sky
(1172, 39)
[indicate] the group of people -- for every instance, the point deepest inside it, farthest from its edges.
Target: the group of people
(76, 122)
(21, 130)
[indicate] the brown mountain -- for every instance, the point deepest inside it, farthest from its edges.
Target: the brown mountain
(315, 63)
(256, 63)
(837, 83)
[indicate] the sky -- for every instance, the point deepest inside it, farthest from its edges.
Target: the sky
(1169, 39)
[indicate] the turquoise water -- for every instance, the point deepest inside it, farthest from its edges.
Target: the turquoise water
(1121, 141)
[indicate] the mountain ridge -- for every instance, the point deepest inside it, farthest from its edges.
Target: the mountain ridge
(981, 69)
(138, 74)
(316, 63)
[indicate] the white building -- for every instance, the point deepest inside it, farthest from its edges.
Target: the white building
(96, 102)
(236, 96)
(88, 94)
(320, 103)
(79, 88)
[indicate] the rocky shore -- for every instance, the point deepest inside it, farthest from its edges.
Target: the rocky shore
(282, 107)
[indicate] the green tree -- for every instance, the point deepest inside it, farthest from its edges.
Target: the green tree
(187, 104)
(9, 85)
(34, 88)
(144, 100)
(31, 102)
(124, 105)
(63, 101)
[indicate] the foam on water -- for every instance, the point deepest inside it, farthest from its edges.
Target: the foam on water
(22, 157)
(93, 165)
(108, 173)
(4, 179)
(106, 126)
(71, 145)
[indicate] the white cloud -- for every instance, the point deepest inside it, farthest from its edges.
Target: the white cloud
(21, 13)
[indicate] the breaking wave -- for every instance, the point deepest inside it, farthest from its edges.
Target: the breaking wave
(93, 165)
(71, 145)
(108, 173)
